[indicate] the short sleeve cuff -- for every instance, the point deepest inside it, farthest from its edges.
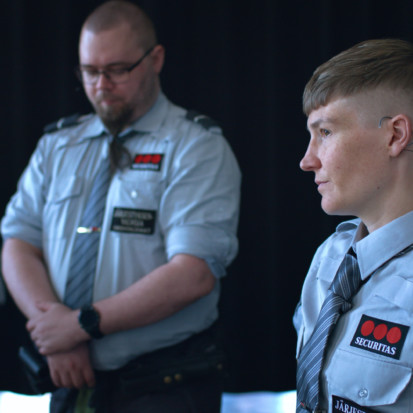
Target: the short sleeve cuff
(213, 245)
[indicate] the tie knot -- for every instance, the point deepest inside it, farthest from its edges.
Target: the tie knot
(348, 278)
(119, 156)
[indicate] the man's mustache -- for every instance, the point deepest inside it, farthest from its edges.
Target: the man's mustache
(105, 95)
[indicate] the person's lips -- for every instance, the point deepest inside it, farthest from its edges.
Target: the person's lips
(320, 184)
(106, 99)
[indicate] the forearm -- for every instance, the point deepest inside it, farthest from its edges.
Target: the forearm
(163, 292)
(26, 275)
(159, 294)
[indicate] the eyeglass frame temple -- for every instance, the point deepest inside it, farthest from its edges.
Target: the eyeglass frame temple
(128, 69)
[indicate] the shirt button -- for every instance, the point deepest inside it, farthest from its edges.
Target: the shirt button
(134, 194)
(363, 393)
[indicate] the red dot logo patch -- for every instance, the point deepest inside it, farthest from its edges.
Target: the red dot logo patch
(380, 336)
(394, 335)
(367, 328)
(380, 331)
(147, 161)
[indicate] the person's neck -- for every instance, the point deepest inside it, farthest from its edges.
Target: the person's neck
(138, 114)
(394, 211)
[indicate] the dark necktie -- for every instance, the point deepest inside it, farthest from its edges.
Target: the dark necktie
(345, 284)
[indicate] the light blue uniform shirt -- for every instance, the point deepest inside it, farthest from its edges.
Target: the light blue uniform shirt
(181, 195)
(369, 358)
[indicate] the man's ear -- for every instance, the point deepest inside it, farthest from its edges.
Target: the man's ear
(158, 57)
(402, 134)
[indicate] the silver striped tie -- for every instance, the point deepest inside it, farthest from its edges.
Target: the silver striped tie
(79, 285)
(345, 284)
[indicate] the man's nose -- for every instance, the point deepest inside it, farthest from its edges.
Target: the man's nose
(103, 81)
(310, 161)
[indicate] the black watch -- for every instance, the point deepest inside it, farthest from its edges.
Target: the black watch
(89, 320)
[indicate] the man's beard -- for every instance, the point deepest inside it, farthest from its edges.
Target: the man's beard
(115, 118)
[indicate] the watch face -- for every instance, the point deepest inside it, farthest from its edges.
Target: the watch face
(89, 317)
(89, 320)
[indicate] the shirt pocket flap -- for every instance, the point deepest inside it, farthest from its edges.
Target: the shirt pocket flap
(68, 188)
(366, 381)
(398, 291)
(327, 270)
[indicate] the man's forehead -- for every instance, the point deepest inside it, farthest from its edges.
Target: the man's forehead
(332, 112)
(365, 106)
(107, 46)
(361, 108)
(119, 33)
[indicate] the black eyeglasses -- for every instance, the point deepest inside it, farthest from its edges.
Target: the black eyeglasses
(115, 74)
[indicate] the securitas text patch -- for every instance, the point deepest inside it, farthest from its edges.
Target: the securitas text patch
(147, 162)
(347, 406)
(134, 221)
(380, 336)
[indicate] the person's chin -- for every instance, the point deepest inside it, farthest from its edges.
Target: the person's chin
(108, 114)
(330, 207)
(334, 209)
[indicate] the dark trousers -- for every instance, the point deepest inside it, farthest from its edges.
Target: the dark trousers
(198, 396)
(195, 369)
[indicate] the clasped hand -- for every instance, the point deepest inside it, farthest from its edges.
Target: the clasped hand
(55, 328)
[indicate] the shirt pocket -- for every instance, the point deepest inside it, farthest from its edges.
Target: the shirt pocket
(62, 207)
(136, 189)
(366, 380)
(398, 291)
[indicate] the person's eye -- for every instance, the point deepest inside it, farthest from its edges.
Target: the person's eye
(90, 72)
(118, 71)
(325, 133)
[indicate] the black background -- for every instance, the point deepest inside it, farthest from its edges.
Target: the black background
(245, 64)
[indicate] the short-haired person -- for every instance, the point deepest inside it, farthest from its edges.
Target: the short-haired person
(145, 342)
(360, 118)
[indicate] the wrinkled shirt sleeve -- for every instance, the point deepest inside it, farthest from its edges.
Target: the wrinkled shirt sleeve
(200, 206)
(23, 218)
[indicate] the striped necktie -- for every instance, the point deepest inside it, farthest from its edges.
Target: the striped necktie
(79, 285)
(345, 284)
(81, 276)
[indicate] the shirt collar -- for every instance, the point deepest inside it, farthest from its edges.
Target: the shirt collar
(93, 129)
(381, 245)
(152, 120)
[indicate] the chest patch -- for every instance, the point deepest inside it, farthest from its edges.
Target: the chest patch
(380, 336)
(134, 221)
(347, 406)
(147, 162)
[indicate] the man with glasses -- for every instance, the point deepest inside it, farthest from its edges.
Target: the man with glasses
(354, 321)
(142, 337)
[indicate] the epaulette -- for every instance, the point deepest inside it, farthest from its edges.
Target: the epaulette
(62, 123)
(205, 121)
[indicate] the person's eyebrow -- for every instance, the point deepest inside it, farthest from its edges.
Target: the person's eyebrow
(316, 123)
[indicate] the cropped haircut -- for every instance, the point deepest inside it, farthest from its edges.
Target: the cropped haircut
(113, 13)
(386, 63)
